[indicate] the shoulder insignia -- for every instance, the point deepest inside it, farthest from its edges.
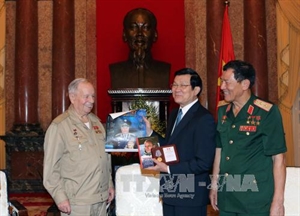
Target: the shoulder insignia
(222, 103)
(61, 117)
(263, 104)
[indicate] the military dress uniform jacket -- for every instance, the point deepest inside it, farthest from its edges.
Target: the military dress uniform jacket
(248, 142)
(76, 166)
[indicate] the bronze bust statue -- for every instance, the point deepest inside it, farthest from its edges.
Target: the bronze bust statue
(140, 70)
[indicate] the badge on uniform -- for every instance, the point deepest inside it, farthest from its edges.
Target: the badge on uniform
(224, 117)
(254, 120)
(77, 137)
(96, 129)
(247, 128)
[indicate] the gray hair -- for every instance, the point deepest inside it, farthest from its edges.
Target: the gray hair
(73, 86)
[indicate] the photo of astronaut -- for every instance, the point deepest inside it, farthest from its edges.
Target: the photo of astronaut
(123, 131)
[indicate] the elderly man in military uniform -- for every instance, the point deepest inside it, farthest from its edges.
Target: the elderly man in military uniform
(122, 139)
(77, 170)
(249, 169)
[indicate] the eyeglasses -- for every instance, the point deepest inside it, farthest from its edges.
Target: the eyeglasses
(181, 86)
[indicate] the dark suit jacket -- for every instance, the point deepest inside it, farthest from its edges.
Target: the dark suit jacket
(194, 138)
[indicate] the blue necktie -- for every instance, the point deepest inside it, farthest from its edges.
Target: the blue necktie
(178, 118)
(179, 115)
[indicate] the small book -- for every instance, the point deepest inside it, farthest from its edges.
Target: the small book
(167, 154)
(145, 144)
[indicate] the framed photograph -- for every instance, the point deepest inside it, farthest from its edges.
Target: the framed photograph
(122, 130)
(145, 145)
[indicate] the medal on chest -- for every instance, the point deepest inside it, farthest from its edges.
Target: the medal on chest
(96, 129)
(78, 139)
(224, 117)
(252, 121)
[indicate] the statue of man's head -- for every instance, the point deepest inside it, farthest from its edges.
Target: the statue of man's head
(140, 33)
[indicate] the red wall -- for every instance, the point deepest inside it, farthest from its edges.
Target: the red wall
(170, 46)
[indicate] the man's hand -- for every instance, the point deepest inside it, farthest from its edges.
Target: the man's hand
(111, 194)
(213, 196)
(279, 173)
(160, 166)
(149, 130)
(277, 208)
(64, 207)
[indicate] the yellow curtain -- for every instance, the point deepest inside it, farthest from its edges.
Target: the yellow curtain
(288, 63)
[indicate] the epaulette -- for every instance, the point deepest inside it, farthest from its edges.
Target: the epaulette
(263, 104)
(61, 117)
(222, 103)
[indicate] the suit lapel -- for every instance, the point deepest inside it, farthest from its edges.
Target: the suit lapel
(184, 121)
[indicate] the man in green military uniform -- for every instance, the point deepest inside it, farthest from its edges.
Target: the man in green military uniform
(249, 168)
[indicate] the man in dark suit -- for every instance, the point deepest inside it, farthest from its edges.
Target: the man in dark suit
(140, 70)
(183, 186)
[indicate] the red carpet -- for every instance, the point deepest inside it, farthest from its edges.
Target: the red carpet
(35, 203)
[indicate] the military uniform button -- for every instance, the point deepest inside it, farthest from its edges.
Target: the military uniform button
(227, 158)
(247, 133)
(231, 142)
(254, 181)
(233, 126)
(226, 174)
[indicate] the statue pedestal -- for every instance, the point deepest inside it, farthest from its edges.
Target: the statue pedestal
(24, 158)
(121, 97)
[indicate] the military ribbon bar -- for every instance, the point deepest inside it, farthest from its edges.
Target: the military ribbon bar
(248, 128)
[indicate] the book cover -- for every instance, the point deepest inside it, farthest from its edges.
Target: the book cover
(145, 144)
(123, 128)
